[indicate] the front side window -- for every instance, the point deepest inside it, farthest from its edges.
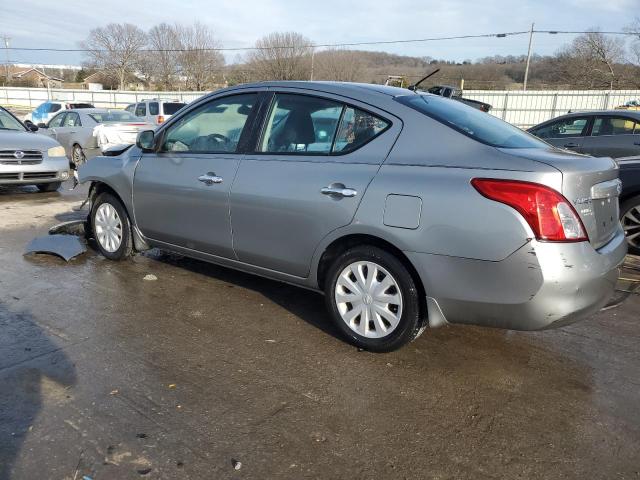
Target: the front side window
(212, 128)
(471, 122)
(568, 127)
(141, 110)
(357, 128)
(613, 126)
(9, 122)
(300, 124)
(154, 109)
(57, 120)
(71, 120)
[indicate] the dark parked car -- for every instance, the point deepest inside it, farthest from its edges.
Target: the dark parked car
(630, 201)
(613, 133)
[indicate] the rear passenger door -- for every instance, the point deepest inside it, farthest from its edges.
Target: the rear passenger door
(313, 160)
(565, 132)
(613, 136)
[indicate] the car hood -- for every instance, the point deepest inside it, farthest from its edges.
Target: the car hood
(25, 141)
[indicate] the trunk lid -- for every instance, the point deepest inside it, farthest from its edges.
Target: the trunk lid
(591, 185)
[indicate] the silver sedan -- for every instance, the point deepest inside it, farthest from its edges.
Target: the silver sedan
(88, 132)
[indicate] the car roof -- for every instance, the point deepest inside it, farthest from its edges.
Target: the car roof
(345, 88)
(603, 113)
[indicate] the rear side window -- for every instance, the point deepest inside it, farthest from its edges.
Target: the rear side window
(141, 110)
(309, 125)
(71, 120)
(54, 107)
(131, 108)
(171, 107)
(153, 108)
(568, 127)
(614, 126)
(471, 122)
(357, 128)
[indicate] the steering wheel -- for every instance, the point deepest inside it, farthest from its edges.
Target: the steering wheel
(219, 138)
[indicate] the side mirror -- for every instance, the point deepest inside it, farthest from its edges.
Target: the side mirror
(146, 140)
(31, 126)
(42, 125)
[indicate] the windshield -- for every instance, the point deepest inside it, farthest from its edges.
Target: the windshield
(9, 122)
(171, 108)
(472, 122)
(114, 116)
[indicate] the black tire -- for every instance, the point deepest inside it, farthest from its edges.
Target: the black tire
(77, 157)
(412, 320)
(49, 187)
(126, 244)
(629, 205)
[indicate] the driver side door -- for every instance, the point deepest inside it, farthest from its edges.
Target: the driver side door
(181, 191)
(565, 133)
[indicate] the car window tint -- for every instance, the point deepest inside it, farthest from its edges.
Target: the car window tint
(54, 107)
(71, 120)
(141, 110)
(154, 109)
(301, 124)
(213, 127)
(170, 108)
(613, 126)
(568, 127)
(57, 120)
(356, 129)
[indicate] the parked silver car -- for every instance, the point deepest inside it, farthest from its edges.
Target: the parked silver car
(88, 132)
(406, 209)
(29, 159)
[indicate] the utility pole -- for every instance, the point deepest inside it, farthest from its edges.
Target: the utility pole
(526, 70)
(313, 55)
(6, 49)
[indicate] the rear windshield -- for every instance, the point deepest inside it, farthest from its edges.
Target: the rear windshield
(171, 108)
(114, 116)
(471, 122)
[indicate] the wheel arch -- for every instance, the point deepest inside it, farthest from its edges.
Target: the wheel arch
(343, 243)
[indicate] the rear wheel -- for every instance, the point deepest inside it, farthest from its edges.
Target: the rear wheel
(111, 227)
(630, 218)
(373, 299)
(49, 187)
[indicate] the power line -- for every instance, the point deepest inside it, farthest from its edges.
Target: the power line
(314, 45)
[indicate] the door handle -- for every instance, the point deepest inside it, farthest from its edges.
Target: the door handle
(338, 190)
(210, 178)
(570, 145)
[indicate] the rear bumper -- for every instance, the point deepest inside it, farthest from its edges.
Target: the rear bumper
(540, 286)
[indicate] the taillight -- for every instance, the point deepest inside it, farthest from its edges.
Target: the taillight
(160, 119)
(548, 213)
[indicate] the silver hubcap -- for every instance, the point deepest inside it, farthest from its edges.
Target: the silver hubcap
(631, 224)
(368, 299)
(108, 227)
(78, 156)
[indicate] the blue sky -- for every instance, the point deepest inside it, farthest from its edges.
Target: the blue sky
(238, 23)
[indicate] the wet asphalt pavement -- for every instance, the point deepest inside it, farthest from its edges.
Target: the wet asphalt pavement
(210, 373)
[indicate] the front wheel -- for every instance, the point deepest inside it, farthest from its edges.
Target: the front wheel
(630, 218)
(77, 157)
(374, 300)
(111, 227)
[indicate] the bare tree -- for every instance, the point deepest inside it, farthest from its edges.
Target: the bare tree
(340, 65)
(115, 49)
(634, 28)
(591, 58)
(200, 63)
(281, 56)
(162, 63)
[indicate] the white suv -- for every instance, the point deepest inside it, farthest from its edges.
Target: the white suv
(155, 110)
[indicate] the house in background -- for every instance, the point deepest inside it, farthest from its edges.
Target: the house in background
(103, 80)
(33, 77)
